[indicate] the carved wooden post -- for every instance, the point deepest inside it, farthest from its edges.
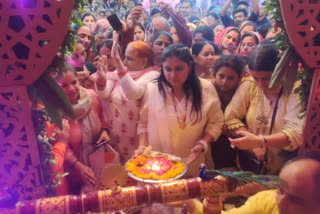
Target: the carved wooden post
(31, 33)
(302, 20)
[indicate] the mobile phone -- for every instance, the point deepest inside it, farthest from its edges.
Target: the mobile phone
(115, 22)
(101, 144)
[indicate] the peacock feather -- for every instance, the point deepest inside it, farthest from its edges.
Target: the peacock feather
(242, 177)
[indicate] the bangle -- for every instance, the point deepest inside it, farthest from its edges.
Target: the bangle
(263, 140)
(74, 163)
(204, 144)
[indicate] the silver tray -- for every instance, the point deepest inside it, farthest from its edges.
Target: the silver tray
(149, 181)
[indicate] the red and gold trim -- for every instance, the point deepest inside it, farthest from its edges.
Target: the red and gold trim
(130, 197)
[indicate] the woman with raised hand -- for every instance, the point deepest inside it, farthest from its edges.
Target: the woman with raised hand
(272, 131)
(122, 91)
(182, 113)
(87, 131)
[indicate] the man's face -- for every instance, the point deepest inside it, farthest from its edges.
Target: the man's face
(186, 9)
(196, 12)
(298, 193)
(239, 18)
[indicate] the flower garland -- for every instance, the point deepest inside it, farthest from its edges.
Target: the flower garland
(282, 42)
(46, 91)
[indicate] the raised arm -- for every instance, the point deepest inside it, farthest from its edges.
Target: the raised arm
(255, 7)
(225, 7)
(185, 36)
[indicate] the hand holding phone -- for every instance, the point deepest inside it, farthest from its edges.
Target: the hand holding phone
(115, 22)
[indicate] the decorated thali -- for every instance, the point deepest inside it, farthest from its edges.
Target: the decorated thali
(156, 167)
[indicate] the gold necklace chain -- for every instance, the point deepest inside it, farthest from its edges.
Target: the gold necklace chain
(181, 120)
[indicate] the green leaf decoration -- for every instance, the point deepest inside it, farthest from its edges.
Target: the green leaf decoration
(289, 73)
(281, 69)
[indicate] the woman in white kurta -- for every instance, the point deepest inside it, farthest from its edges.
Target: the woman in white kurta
(121, 106)
(181, 113)
(256, 103)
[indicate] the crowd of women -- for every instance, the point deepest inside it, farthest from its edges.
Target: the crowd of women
(203, 95)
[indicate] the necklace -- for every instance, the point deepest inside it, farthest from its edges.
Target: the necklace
(182, 118)
(263, 115)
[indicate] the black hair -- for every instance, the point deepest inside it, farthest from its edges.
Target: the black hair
(206, 32)
(141, 27)
(87, 14)
(232, 61)
(61, 72)
(188, 1)
(244, 11)
(264, 57)
(197, 47)
(106, 43)
(192, 87)
(159, 33)
(212, 7)
(214, 15)
(248, 23)
(242, 3)
(110, 10)
(255, 36)
(264, 29)
(126, 14)
(155, 11)
(114, 4)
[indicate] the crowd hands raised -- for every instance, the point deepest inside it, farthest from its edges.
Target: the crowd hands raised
(188, 81)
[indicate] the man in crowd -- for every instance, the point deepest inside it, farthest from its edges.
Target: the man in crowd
(239, 15)
(187, 11)
(297, 194)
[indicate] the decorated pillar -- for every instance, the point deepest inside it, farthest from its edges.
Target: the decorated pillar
(31, 33)
(302, 21)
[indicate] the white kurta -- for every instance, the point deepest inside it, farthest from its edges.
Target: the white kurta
(159, 119)
(121, 107)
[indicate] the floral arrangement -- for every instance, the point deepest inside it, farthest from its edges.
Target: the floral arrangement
(45, 132)
(155, 168)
